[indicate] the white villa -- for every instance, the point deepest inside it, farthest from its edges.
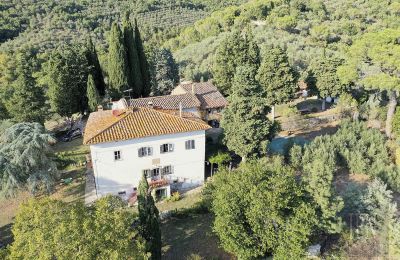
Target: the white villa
(125, 143)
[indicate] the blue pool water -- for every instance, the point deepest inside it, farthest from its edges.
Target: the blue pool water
(279, 144)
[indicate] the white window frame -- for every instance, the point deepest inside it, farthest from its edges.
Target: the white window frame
(166, 170)
(117, 155)
(145, 151)
(190, 144)
(170, 148)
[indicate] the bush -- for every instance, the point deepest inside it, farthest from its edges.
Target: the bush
(396, 123)
(174, 197)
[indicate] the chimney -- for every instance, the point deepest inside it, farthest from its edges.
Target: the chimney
(180, 109)
(150, 104)
(193, 89)
(99, 108)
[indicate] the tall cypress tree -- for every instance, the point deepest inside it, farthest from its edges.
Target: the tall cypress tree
(245, 123)
(95, 68)
(135, 75)
(149, 219)
(118, 63)
(25, 102)
(144, 66)
(92, 94)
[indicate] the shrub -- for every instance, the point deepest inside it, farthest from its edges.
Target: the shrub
(396, 123)
(174, 197)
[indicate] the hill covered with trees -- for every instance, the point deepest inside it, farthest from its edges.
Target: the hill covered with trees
(45, 24)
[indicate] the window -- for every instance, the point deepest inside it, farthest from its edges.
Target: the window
(117, 155)
(147, 173)
(166, 148)
(167, 170)
(152, 173)
(189, 145)
(145, 151)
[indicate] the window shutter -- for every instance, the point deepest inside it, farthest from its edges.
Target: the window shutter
(171, 147)
(150, 151)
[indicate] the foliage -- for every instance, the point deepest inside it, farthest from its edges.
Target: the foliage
(25, 159)
(277, 78)
(326, 81)
(149, 219)
(118, 69)
(220, 158)
(396, 123)
(95, 68)
(55, 229)
(23, 99)
(238, 49)
(373, 62)
(347, 104)
(144, 65)
(134, 72)
(92, 94)
(65, 77)
(253, 220)
(164, 72)
(174, 197)
(245, 123)
(379, 221)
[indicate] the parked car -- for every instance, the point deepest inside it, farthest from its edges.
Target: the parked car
(71, 135)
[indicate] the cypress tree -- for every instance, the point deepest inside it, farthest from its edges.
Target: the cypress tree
(245, 123)
(149, 219)
(26, 100)
(95, 68)
(118, 63)
(92, 94)
(135, 75)
(277, 78)
(144, 66)
(65, 75)
(164, 72)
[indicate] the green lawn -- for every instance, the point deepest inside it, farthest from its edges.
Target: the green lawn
(191, 238)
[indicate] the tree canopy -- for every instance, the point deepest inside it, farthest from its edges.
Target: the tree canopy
(237, 49)
(55, 229)
(246, 126)
(25, 159)
(65, 76)
(264, 214)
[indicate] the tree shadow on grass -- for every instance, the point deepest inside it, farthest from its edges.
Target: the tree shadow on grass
(191, 235)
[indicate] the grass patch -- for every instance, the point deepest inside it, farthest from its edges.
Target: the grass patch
(187, 200)
(184, 238)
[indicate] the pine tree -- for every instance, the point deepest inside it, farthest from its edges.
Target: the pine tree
(95, 68)
(246, 126)
(26, 102)
(149, 219)
(277, 78)
(92, 94)
(135, 75)
(238, 49)
(144, 66)
(164, 72)
(118, 63)
(65, 75)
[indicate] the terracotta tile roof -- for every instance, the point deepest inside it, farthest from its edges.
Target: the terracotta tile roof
(167, 102)
(207, 93)
(106, 126)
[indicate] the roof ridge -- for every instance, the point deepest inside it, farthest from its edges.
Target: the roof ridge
(185, 119)
(127, 112)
